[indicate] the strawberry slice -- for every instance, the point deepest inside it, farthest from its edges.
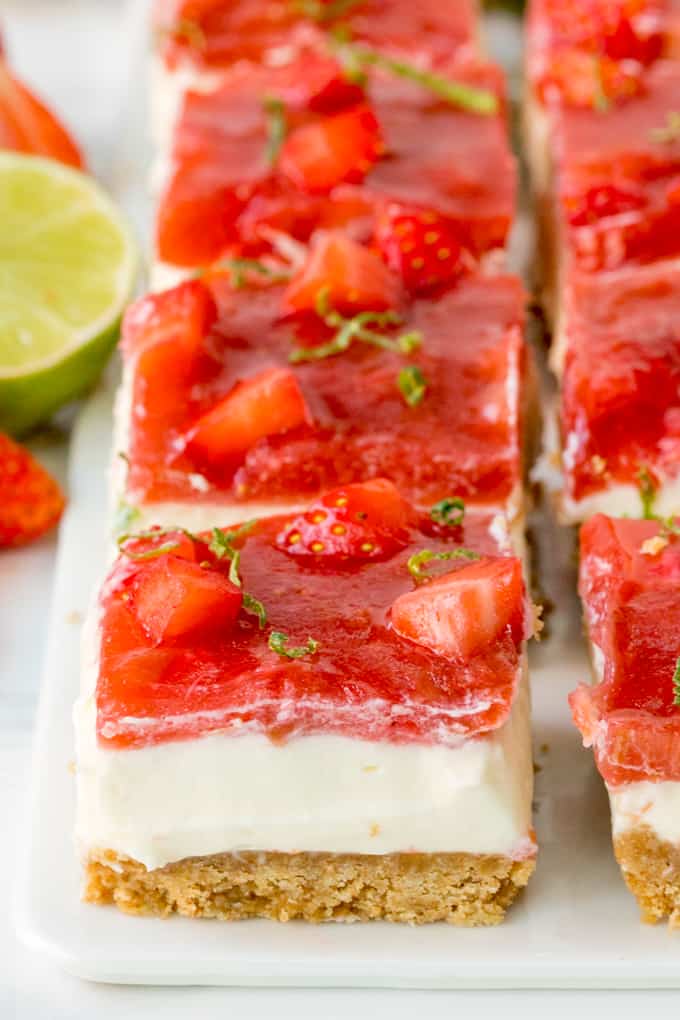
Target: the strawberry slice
(26, 124)
(182, 315)
(334, 150)
(32, 502)
(157, 541)
(367, 521)
(599, 202)
(354, 277)
(425, 249)
(588, 80)
(173, 597)
(267, 404)
(463, 612)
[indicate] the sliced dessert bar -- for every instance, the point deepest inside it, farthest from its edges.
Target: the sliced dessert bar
(196, 43)
(292, 149)
(629, 585)
(321, 715)
(620, 401)
(244, 400)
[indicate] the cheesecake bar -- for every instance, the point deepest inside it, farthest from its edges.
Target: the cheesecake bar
(246, 399)
(320, 715)
(631, 716)
(289, 150)
(620, 399)
(195, 45)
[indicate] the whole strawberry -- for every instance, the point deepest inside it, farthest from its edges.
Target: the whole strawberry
(31, 502)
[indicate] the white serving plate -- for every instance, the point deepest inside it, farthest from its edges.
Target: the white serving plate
(575, 927)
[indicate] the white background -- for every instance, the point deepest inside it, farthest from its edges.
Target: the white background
(77, 53)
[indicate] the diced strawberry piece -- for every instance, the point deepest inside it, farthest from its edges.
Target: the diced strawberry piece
(267, 404)
(623, 29)
(425, 249)
(334, 150)
(173, 597)
(601, 201)
(31, 501)
(183, 315)
(26, 125)
(354, 277)
(588, 80)
(157, 541)
(368, 520)
(466, 611)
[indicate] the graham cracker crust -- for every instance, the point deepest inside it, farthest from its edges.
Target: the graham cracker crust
(461, 889)
(651, 869)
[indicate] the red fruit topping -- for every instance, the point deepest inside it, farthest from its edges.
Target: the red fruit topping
(622, 29)
(157, 542)
(266, 404)
(364, 521)
(31, 501)
(182, 315)
(26, 125)
(598, 202)
(334, 150)
(583, 80)
(621, 384)
(173, 598)
(464, 612)
(353, 277)
(629, 583)
(423, 248)
(356, 677)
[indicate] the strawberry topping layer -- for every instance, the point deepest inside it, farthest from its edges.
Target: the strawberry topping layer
(299, 148)
(621, 387)
(318, 623)
(260, 402)
(630, 586)
(215, 33)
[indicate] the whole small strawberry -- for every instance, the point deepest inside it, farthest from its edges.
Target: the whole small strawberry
(31, 502)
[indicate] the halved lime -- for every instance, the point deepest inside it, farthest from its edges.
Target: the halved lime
(68, 265)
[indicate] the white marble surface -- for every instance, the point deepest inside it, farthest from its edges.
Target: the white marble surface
(75, 52)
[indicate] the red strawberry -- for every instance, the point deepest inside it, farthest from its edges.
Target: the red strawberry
(601, 201)
(173, 597)
(425, 249)
(267, 404)
(32, 502)
(355, 278)
(183, 315)
(363, 521)
(333, 150)
(461, 613)
(588, 80)
(26, 125)
(158, 540)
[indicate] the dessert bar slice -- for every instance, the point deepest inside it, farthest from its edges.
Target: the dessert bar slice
(248, 399)
(320, 715)
(631, 717)
(620, 400)
(292, 149)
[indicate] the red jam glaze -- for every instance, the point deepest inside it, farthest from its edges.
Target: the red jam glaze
(631, 594)
(463, 437)
(618, 29)
(213, 34)
(422, 152)
(363, 680)
(620, 407)
(619, 176)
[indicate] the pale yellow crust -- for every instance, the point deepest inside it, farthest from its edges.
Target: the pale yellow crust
(651, 869)
(461, 889)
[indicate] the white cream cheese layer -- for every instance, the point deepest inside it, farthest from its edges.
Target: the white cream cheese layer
(335, 794)
(656, 805)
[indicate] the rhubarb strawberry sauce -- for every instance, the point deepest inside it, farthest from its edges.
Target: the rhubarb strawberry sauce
(359, 617)
(247, 394)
